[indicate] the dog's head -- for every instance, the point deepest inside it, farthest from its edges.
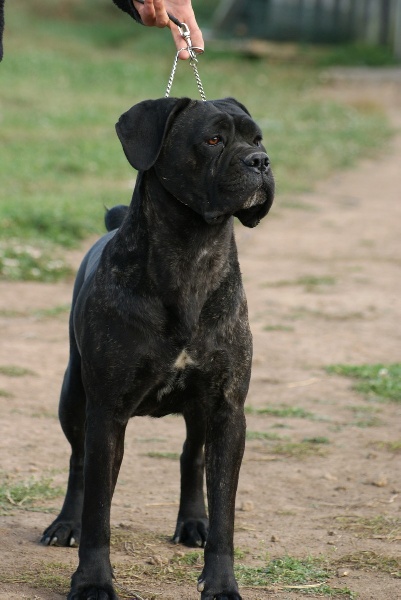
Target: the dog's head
(208, 155)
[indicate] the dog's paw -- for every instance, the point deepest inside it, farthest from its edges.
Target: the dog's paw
(93, 593)
(62, 533)
(217, 581)
(212, 596)
(191, 532)
(222, 597)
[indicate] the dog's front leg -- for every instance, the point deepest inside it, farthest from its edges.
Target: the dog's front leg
(104, 448)
(225, 441)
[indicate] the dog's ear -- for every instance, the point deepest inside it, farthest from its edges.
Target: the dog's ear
(250, 217)
(230, 105)
(142, 129)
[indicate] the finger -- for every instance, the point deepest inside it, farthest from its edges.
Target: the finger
(153, 13)
(161, 15)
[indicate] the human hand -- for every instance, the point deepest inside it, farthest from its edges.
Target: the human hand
(154, 14)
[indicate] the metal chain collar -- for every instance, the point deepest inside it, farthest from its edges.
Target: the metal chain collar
(193, 52)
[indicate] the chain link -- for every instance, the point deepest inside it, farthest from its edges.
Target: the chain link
(198, 79)
(171, 78)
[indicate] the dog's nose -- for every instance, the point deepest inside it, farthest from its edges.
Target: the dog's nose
(257, 161)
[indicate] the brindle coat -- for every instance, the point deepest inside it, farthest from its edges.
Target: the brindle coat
(159, 325)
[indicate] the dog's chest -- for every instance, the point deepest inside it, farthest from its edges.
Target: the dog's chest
(176, 377)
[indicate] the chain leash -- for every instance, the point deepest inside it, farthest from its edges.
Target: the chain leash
(193, 51)
(198, 79)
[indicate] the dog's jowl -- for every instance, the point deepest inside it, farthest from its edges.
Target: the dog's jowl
(159, 325)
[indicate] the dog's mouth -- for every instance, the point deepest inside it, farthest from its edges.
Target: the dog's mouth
(255, 199)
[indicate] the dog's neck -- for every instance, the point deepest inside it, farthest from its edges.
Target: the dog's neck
(186, 258)
(191, 252)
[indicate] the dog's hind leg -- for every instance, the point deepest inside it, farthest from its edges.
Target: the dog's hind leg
(192, 522)
(66, 529)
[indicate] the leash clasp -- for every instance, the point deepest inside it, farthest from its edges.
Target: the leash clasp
(185, 33)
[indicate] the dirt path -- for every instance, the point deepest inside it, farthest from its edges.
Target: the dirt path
(324, 286)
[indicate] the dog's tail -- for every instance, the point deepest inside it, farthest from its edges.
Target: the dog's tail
(115, 216)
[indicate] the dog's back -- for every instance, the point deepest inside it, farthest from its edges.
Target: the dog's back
(113, 219)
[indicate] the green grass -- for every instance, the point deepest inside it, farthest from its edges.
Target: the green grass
(53, 312)
(394, 447)
(304, 312)
(167, 455)
(285, 328)
(311, 283)
(54, 576)
(381, 381)
(39, 262)
(261, 435)
(282, 411)
(38, 313)
(64, 85)
(367, 560)
(308, 576)
(15, 371)
(25, 494)
(286, 570)
(320, 439)
(365, 416)
(284, 447)
(299, 450)
(356, 54)
(378, 527)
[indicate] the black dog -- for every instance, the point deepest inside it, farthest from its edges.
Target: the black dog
(159, 325)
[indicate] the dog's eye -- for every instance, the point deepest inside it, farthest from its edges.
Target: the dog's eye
(257, 141)
(216, 139)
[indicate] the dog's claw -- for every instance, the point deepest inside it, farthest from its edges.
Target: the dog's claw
(61, 533)
(201, 585)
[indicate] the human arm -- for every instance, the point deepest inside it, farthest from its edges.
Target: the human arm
(153, 13)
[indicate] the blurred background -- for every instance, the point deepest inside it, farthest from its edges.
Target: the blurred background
(376, 22)
(71, 68)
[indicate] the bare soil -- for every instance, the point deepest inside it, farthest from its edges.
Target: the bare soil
(323, 283)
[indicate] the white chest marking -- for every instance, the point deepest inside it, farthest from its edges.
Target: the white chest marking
(183, 360)
(175, 380)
